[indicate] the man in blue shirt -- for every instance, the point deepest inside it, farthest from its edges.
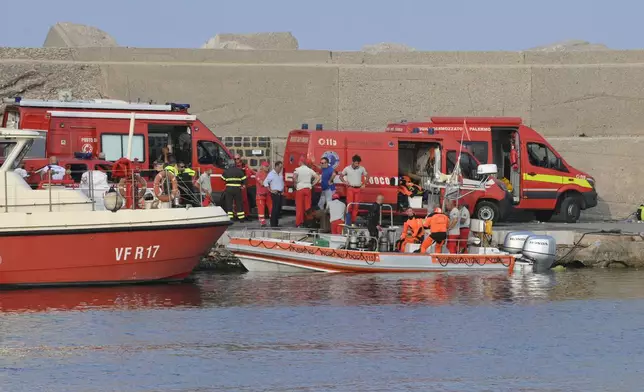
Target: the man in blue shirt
(275, 184)
(326, 182)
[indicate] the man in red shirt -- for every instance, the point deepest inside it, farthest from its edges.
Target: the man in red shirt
(263, 197)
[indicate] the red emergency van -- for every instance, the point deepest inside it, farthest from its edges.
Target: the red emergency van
(103, 125)
(389, 156)
(539, 179)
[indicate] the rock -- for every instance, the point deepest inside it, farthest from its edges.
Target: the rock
(77, 36)
(385, 47)
(607, 251)
(47, 80)
(258, 41)
(570, 45)
(220, 259)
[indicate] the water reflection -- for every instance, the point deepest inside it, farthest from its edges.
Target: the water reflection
(255, 289)
(121, 297)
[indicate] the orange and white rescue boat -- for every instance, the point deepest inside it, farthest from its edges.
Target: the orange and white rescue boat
(298, 251)
(61, 236)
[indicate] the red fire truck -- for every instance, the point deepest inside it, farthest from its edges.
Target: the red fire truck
(388, 157)
(539, 179)
(94, 126)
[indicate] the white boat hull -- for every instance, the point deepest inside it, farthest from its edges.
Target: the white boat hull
(273, 255)
(265, 264)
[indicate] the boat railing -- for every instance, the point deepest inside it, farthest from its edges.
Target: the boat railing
(53, 192)
(289, 235)
(391, 210)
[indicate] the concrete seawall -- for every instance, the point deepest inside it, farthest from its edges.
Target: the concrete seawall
(562, 94)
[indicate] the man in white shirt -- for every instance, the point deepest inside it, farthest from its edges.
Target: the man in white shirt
(204, 185)
(336, 211)
(275, 183)
(57, 172)
(354, 177)
(21, 170)
(465, 227)
(454, 228)
(304, 179)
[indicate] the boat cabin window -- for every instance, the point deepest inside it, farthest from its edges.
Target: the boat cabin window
(11, 120)
(115, 147)
(468, 165)
(7, 146)
(478, 149)
(38, 149)
(211, 153)
(77, 170)
(177, 138)
(540, 155)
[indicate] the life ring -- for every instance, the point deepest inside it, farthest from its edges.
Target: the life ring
(142, 188)
(158, 186)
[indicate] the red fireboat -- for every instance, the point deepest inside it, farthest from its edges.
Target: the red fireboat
(61, 236)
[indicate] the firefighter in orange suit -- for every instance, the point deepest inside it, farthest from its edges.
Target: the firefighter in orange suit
(437, 223)
(263, 197)
(240, 164)
(412, 232)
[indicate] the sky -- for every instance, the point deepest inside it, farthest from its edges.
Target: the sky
(339, 24)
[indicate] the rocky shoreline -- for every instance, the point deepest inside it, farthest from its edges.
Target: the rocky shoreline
(220, 259)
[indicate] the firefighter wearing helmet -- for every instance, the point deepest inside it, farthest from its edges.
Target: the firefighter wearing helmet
(244, 192)
(235, 178)
(412, 232)
(437, 224)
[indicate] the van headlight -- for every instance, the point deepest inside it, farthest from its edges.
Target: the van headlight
(591, 181)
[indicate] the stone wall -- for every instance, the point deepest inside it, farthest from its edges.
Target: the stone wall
(598, 94)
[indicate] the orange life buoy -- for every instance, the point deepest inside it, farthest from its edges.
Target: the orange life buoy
(158, 188)
(142, 187)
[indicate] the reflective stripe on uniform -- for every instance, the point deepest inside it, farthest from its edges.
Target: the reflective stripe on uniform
(233, 184)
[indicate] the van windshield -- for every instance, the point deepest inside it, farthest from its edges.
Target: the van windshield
(478, 149)
(540, 155)
(469, 165)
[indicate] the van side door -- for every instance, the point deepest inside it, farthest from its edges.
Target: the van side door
(542, 177)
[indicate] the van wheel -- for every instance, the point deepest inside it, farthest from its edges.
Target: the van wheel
(570, 209)
(544, 215)
(487, 210)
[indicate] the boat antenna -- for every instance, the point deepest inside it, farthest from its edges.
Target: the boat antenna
(457, 168)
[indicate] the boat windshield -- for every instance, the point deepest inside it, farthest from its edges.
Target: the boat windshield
(6, 146)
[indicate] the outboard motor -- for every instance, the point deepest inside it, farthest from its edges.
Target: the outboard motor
(515, 240)
(541, 250)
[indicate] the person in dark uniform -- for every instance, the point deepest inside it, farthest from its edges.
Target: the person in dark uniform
(373, 218)
(235, 178)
